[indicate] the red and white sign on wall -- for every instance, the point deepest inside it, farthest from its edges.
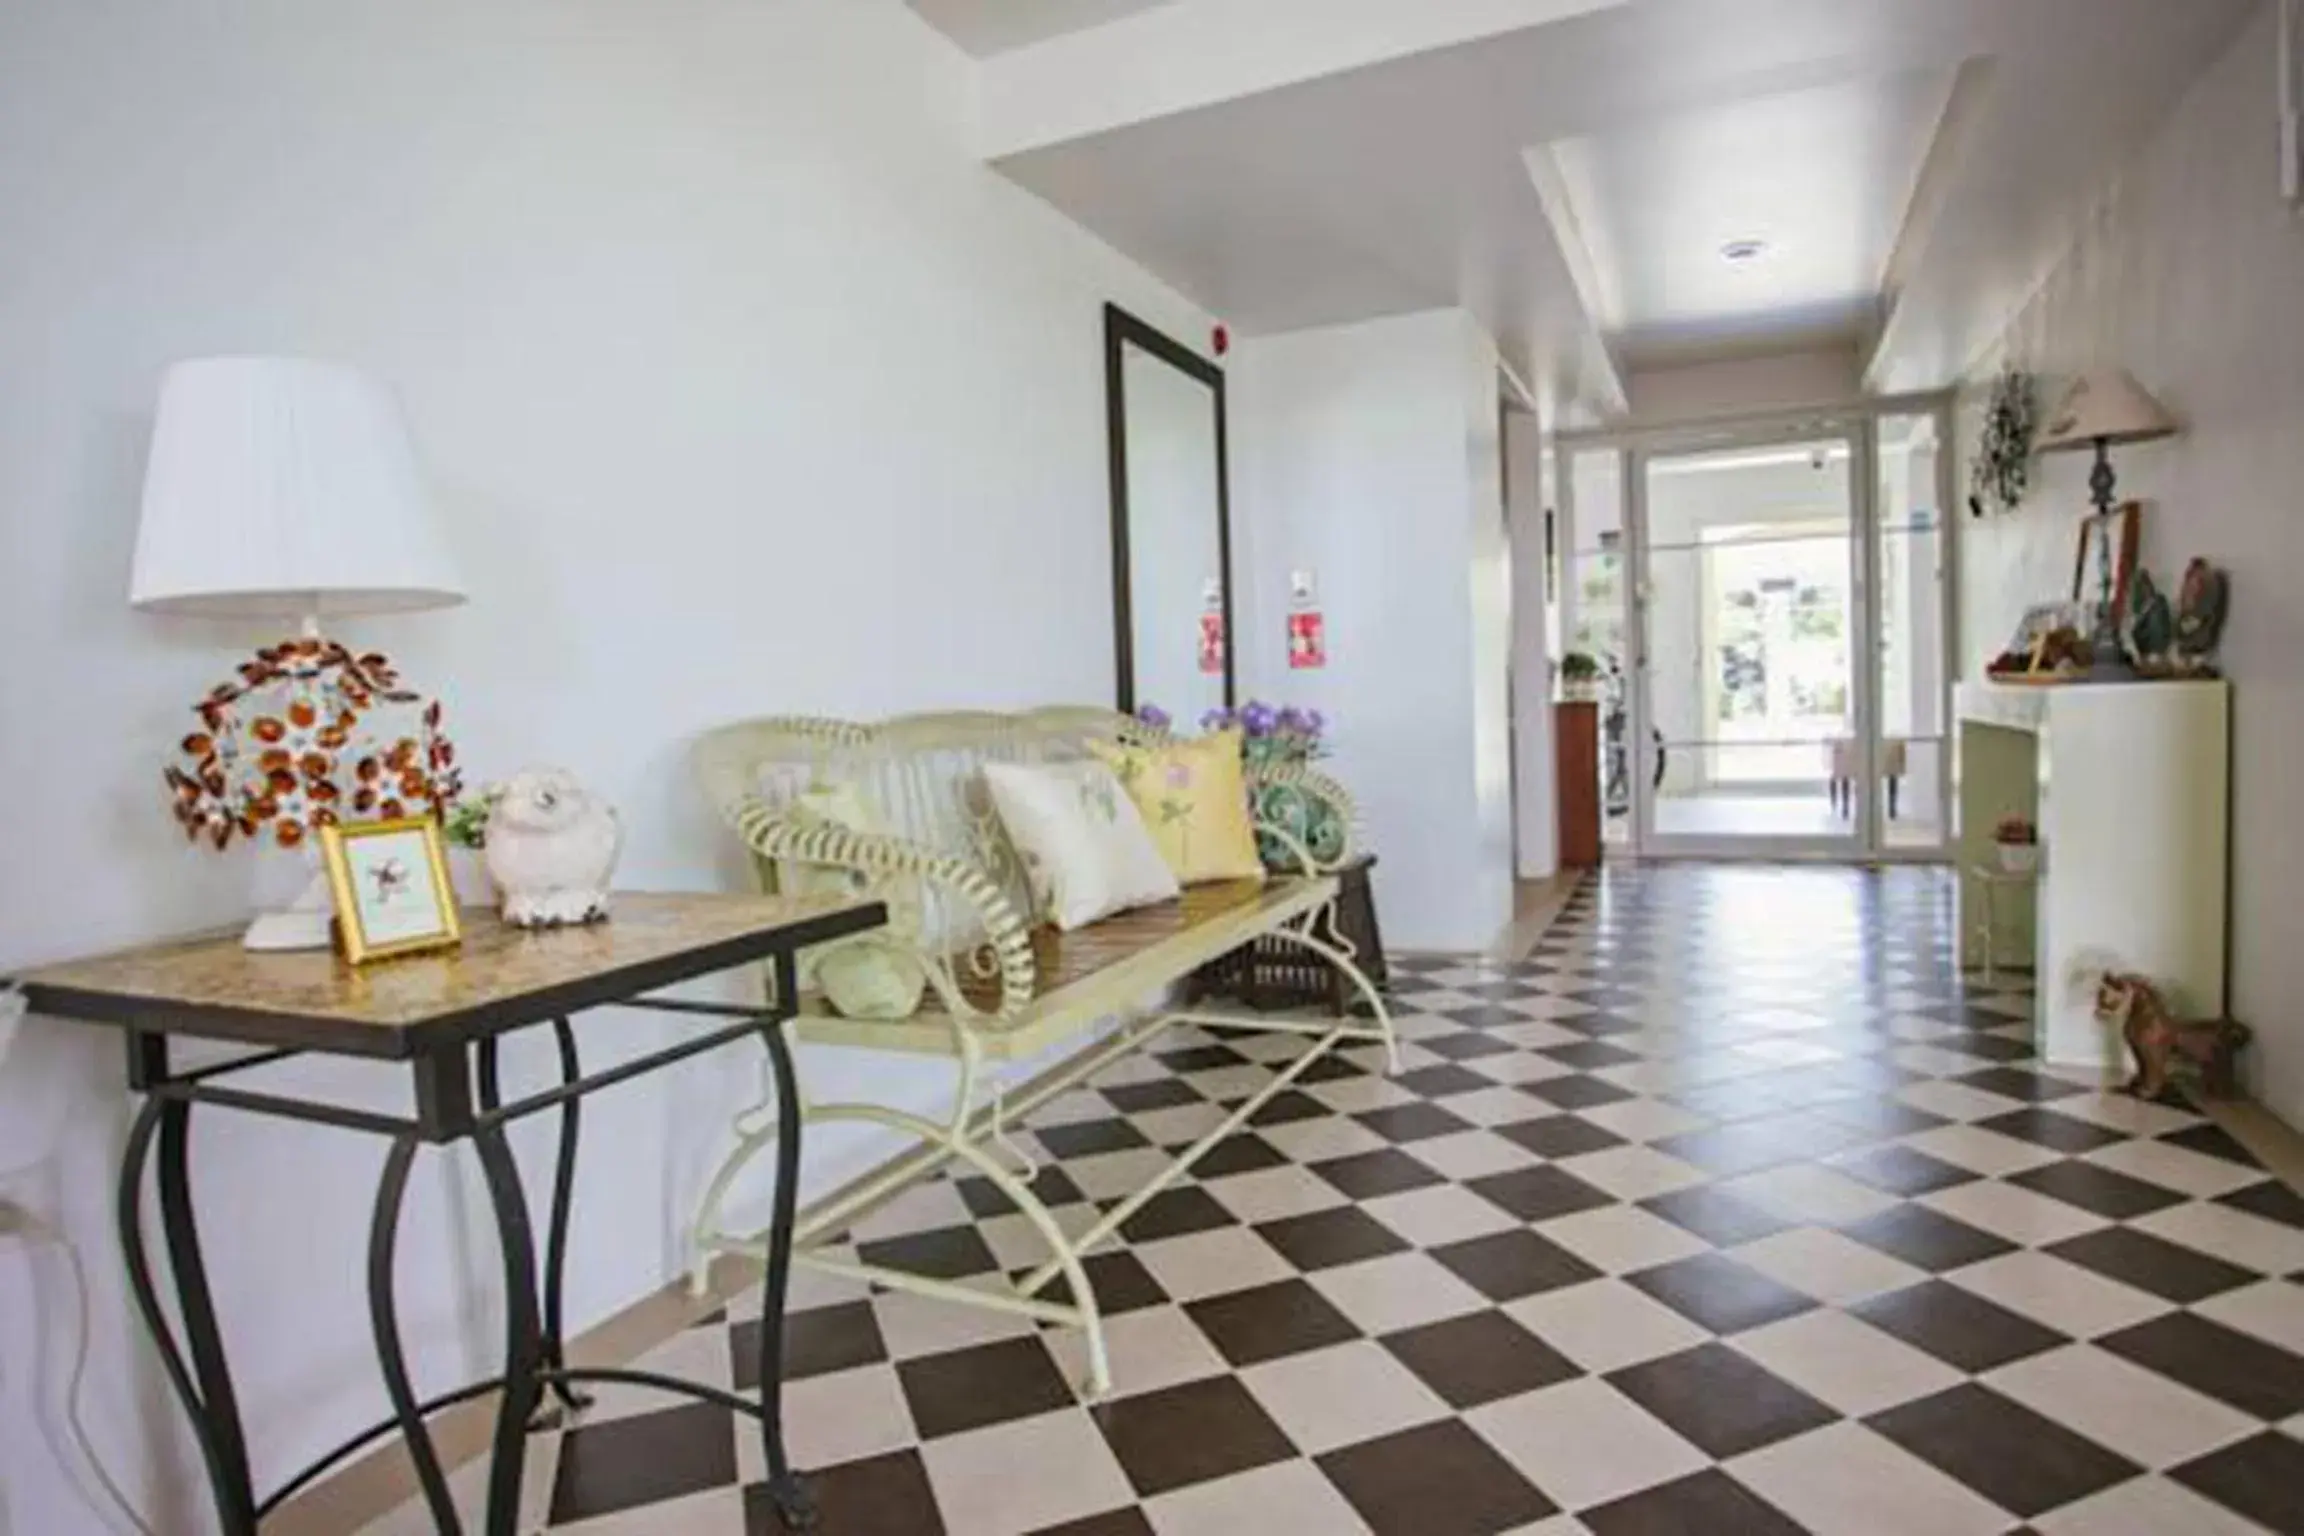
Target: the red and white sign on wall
(1307, 628)
(1212, 643)
(1212, 637)
(1307, 641)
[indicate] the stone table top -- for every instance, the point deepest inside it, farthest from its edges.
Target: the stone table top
(500, 978)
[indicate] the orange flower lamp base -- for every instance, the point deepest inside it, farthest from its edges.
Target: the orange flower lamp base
(296, 742)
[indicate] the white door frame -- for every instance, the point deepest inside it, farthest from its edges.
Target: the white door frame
(1857, 424)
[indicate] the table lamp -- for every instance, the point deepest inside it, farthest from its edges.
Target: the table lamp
(2104, 407)
(288, 489)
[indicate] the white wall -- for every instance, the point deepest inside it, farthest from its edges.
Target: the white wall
(1535, 792)
(2189, 275)
(1366, 454)
(1489, 873)
(747, 390)
(1741, 386)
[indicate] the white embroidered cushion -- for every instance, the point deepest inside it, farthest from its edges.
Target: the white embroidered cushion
(1083, 842)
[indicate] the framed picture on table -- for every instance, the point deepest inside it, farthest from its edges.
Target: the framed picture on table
(2111, 533)
(392, 889)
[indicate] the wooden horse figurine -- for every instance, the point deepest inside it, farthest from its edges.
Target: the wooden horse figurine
(2166, 1050)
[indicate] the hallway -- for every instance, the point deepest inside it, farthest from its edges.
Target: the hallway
(1730, 1209)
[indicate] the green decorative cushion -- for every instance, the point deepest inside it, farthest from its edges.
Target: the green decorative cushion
(861, 977)
(865, 980)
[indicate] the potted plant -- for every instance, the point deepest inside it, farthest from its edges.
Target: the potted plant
(465, 827)
(2018, 844)
(1579, 676)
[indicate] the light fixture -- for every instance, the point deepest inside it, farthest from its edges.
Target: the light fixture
(1738, 252)
(2105, 407)
(287, 489)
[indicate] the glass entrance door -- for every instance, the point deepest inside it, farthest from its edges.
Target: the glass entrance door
(1753, 680)
(1595, 620)
(1770, 611)
(1913, 558)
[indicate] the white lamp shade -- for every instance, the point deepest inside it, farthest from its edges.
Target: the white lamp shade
(2106, 405)
(285, 488)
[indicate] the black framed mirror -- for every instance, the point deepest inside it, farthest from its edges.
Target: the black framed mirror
(1171, 522)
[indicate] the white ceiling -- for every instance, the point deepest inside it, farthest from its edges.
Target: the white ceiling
(1821, 176)
(1408, 184)
(987, 27)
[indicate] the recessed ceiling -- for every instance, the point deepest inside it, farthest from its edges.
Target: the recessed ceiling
(987, 27)
(1820, 126)
(1819, 179)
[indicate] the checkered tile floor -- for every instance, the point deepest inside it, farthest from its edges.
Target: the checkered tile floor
(1729, 1211)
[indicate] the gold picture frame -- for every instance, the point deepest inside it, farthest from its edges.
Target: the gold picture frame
(385, 904)
(2115, 531)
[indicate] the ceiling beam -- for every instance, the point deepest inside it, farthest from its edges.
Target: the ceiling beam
(1958, 133)
(1197, 53)
(1594, 272)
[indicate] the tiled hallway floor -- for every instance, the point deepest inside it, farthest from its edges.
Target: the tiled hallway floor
(1728, 1211)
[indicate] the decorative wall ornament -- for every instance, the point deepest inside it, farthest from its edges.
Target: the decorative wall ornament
(282, 749)
(2002, 472)
(2151, 626)
(2201, 604)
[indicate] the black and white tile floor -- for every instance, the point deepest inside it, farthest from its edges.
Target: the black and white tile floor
(1731, 1210)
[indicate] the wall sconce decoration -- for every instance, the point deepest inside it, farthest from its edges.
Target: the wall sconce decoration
(2002, 472)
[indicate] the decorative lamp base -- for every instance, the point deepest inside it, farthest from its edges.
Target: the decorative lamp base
(2108, 659)
(301, 925)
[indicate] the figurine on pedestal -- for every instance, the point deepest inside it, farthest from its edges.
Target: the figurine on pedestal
(2201, 604)
(2168, 1052)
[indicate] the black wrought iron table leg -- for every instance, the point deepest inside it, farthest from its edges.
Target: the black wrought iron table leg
(204, 1388)
(794, 1504)
(384, 1321)
(556, 1231)
(554, 1350)
(523, 1332)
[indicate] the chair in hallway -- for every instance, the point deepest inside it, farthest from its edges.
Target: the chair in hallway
(1844, 770)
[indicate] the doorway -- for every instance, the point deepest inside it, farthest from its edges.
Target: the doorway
(1769, 608)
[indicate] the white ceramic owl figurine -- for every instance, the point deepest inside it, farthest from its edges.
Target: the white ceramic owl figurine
(551, 846)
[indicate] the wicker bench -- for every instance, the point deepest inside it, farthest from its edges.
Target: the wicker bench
(999, 989)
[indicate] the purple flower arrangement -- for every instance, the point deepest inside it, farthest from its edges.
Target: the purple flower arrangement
(1270, 734)
(1258, 721)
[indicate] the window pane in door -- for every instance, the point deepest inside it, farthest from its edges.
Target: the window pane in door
(1594, 607)
(1752, 637)
(1913, 650)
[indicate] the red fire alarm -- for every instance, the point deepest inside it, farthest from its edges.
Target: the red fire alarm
(1221, 340)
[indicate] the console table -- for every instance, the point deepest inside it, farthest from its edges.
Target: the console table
(2129, 785)
(440, 1017)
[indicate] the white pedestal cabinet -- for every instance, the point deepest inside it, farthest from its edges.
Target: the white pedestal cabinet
(2130, 784)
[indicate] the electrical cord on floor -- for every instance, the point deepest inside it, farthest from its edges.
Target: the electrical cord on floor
(12, 1009)
(15, 1220)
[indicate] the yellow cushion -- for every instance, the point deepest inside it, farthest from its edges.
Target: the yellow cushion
(1195, 801)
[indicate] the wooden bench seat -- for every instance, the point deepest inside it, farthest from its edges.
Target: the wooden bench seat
(1088, 974)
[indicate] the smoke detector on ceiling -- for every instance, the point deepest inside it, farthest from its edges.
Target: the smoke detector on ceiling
(1738, 252)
